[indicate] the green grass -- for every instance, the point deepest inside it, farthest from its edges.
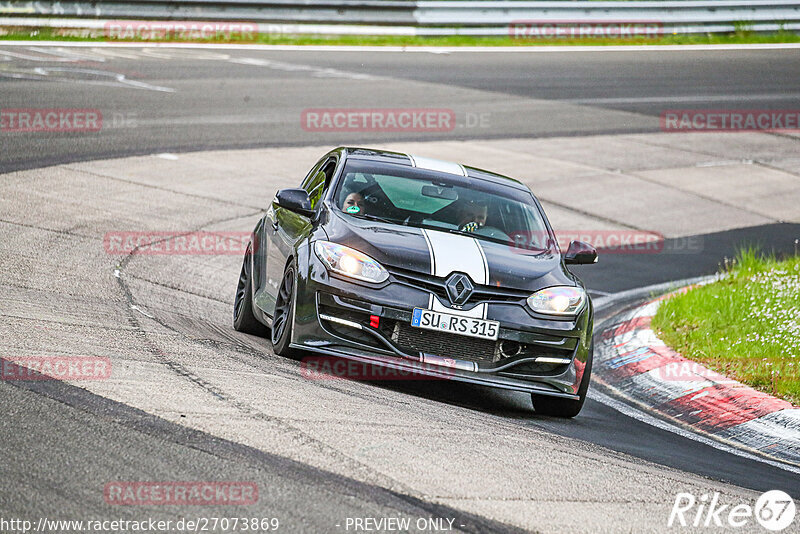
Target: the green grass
(740, 36)
(745, 326)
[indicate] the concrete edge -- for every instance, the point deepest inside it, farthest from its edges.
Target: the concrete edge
(424, 49)
(632, 362)
(436, 28)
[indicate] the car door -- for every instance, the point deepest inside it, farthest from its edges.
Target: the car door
(283, 229)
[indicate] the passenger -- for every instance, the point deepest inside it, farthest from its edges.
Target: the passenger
(472, 216)
(354, 203)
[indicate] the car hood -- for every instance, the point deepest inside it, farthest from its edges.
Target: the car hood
(429, 251)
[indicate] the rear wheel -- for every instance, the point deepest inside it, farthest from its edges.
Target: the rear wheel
(284, 313)
(558, 407)
(243, 318)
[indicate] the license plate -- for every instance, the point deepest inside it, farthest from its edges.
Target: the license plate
(455, 324)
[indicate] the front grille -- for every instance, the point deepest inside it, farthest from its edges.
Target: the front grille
(444, 344)
(436, 285)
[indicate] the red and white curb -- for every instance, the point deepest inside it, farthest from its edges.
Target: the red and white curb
(633, 361)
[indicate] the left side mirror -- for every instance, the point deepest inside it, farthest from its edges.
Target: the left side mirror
(295, 200)
(580, 253)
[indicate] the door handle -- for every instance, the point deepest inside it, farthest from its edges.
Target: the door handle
(274, 226)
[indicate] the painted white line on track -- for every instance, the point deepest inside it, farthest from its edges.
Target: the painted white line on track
(49, 58)
(425, 49)
(140, 310)
(648, 419)
(684, 98)
(724, 163)
(320, 72)
(83, 76)
(67, 54)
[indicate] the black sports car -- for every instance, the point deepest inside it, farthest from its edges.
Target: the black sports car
(422, 265)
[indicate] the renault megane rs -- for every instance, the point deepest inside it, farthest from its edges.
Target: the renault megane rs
(422, 265)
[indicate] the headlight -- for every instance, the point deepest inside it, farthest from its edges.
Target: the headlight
(350, 262)
(560, 300)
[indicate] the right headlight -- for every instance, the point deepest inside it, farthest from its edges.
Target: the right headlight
(350, 262)
(558, 300)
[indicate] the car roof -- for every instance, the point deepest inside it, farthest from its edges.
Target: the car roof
(421, 162)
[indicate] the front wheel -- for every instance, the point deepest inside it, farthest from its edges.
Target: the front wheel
(284, 313)
(557, 407)
(243, 318)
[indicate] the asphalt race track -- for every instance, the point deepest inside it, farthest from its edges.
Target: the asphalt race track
(176, 100)
(190, 399)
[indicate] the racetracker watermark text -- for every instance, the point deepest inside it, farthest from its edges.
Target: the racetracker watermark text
(577, 29)
(378, 120)
(177, 243)
(147, 525)
(50, 120)
(182, 30)
(180, 493)
(608, 241)
(55, 368)
(333, 368)
(730, 120)
(689, 371)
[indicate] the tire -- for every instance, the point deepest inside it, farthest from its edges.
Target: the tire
(243, 318)
(284, 313)
(566, 408)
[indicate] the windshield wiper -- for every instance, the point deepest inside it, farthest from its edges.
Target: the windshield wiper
(379, 219)
(474, 235)
(539, 251)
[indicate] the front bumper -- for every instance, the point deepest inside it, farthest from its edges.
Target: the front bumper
(407, 367)
(533, 354)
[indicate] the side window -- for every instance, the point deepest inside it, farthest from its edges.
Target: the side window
(318, 182)
(312, 173)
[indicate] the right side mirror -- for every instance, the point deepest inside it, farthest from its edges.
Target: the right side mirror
(580, 253)
(295, 200)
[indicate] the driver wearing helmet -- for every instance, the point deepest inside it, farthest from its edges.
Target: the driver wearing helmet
(472, 216)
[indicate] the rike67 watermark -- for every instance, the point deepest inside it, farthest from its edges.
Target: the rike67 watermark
(774, 510)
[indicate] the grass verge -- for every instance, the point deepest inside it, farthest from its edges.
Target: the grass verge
(738, 37)
(745, 326)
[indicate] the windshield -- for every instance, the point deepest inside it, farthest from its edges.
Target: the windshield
(412, 197)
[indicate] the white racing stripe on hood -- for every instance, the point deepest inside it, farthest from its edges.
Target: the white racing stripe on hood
(437, 165)
(456, 253)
